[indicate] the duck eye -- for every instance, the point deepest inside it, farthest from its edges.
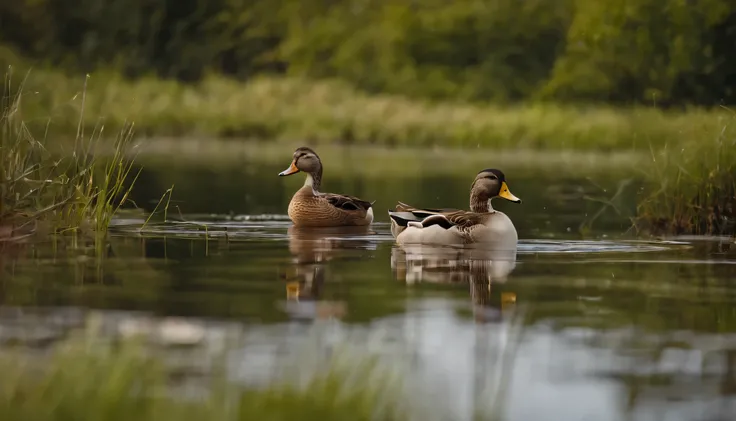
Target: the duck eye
(492, 177)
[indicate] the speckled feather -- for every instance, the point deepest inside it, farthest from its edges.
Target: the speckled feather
(311, 208)
(328, 209)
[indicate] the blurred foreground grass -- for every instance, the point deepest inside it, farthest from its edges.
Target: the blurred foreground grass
(318, 112)
(82, 380)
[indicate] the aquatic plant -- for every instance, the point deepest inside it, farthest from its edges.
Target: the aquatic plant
(692, 186)
(55, 189)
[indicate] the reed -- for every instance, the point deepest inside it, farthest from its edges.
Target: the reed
(55, 186)
(691, 187)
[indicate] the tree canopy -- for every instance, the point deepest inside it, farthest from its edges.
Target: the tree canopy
(646, 51)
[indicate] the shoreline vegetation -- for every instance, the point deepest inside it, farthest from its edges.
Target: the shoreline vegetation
(691, 188)
(58, 193)
(687, 161)
(333, 112)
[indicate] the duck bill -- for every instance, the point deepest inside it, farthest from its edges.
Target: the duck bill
(292, 291)
(289, 171)
(506, 194)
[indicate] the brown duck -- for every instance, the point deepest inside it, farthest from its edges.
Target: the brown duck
(311, 208)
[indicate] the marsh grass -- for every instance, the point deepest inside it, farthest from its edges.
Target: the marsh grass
(85, 380)
(691, 187)
(330, 111)
(67, 189)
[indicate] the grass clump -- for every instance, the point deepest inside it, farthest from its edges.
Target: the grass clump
(330, 111)
(692, 186)
(83, 380)
(60, 189)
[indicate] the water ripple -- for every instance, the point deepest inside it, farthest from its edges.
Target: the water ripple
(275, 227)
(597, 246)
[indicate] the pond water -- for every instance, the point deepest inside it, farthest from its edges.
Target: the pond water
(587, 323)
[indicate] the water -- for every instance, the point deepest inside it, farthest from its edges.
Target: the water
(599, 325)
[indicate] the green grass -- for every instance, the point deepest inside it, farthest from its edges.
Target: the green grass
(318, 112)
(71, 191)
(691, 186)
(84, 379)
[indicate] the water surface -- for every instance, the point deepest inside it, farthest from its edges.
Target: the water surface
(587, 322)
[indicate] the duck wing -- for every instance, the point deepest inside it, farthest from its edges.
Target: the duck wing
(424, 212)
(461, 219)
(345, 202)
(445, 218)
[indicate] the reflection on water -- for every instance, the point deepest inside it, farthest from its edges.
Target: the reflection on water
(311, 248)
(477, 269)
(416, 263)
(562, 328)
(571, 329)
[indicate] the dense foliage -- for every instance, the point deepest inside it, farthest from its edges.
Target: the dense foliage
(647, 51)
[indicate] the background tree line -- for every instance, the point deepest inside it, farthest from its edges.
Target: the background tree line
(658, 52)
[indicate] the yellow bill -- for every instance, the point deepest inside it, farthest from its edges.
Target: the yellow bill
(292, 291)
(506, 193)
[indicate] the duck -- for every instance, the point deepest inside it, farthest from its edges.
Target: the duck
(448, 226)
(309, 207)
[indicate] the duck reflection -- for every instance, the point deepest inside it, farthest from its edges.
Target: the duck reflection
(312, 249)
(477, 267)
